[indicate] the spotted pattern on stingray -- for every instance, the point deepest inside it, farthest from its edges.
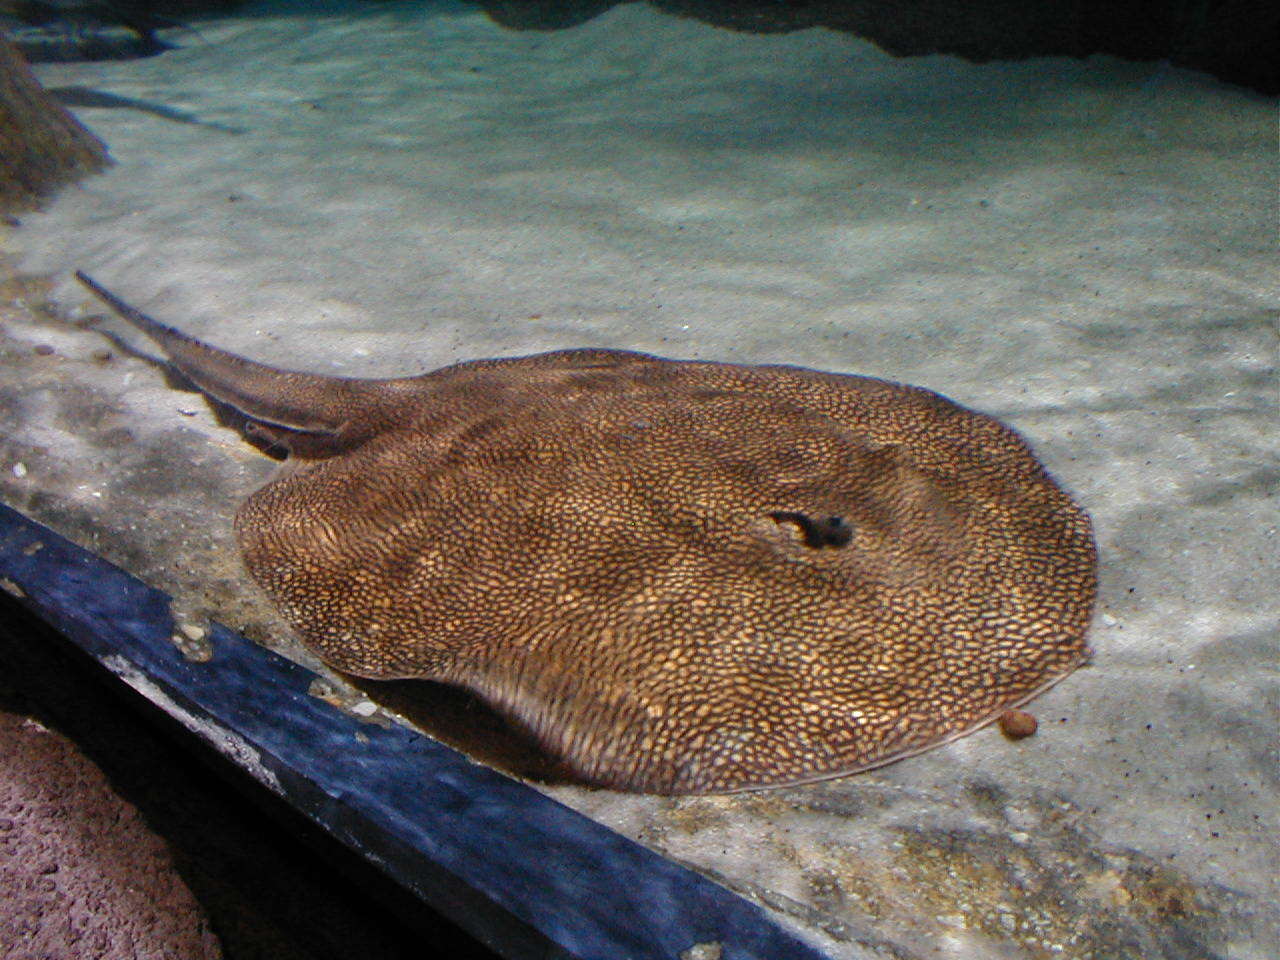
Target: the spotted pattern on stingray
(681, 576)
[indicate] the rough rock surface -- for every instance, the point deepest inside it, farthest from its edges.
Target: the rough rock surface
(83, 876)
(42, 145)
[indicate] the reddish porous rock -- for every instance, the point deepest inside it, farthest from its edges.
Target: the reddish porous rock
(82, 875)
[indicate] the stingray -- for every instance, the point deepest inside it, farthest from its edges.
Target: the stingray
(678, 576)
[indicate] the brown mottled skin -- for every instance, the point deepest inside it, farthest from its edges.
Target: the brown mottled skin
(683, 577)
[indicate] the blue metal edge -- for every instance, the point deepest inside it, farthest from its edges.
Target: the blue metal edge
(485, 850)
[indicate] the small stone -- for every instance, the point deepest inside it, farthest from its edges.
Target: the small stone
(44, 349)
(365, 708)
(321, 689)
(712, 950)
(193, 631)
(19, 469)
(192, 641)
(1017, 724)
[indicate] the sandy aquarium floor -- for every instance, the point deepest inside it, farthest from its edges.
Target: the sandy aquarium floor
(1084, 249)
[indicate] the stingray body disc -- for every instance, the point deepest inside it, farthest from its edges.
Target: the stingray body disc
(687, 577)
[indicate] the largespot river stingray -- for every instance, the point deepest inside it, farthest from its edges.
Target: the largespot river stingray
(680, 577)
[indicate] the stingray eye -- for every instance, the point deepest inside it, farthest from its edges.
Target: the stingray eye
(818, 532)
(835, 532)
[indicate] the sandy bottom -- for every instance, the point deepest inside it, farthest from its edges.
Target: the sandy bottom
(1084, 249)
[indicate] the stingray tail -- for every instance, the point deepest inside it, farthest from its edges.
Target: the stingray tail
(306, 402)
